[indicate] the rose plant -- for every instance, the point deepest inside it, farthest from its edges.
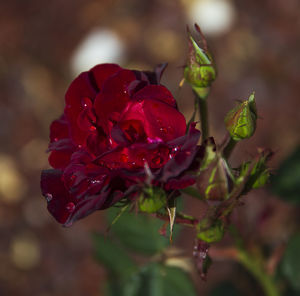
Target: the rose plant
(122, 141)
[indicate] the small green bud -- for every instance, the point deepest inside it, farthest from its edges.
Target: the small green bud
(210, 232)
(214, 178)
(200, 71)
(152, 199)
(241, 121)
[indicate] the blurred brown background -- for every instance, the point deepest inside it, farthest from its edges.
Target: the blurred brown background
(45, 44)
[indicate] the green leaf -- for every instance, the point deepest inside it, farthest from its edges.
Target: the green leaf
(192, 191)
(113, 257)
(159, 280)
(138, 232)
(259, 174)
(290, 264)
(286, 183)
(225, 289)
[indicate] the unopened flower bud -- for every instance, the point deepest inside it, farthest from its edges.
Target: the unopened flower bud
(241, 121)
(214, 181)
(210, 232)
(200, 71)
(152, 199)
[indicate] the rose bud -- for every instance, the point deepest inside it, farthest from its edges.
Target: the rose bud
(210, 231)
(120, 131)
(200, 71)
(214, 180)
(241, 121)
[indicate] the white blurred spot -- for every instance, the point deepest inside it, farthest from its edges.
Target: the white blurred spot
(213, 16)
(100, 46)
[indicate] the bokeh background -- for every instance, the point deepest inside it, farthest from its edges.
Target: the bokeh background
(45, 44)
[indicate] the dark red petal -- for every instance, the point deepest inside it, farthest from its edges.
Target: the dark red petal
(59, 129)
(114, 96)
(97, 143)
(155, 76)
(157, 92)
(163, 121)
(81, 88)
(103, 71)
(59, 200)
(184, 158)
(59, 159)
(180, 183)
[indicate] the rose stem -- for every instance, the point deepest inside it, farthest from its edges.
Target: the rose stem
(201, 95)
(229, 148)
(254, 265)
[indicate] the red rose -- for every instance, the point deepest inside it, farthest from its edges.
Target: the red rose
(115, 121)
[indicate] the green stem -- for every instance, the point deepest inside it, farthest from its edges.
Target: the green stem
(255, 267)
(229, 148)
(201, 95)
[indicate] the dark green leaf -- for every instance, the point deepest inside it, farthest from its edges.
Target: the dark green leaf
(225, 289)
(290, 264)
(159, 280)
(138, 232)
(113, 257)
(153, 280)
(286, 183)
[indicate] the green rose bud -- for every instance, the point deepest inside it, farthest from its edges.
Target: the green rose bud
(241, 121)
(200, 71)
(152, 199)
(210, 232)
(214, 178)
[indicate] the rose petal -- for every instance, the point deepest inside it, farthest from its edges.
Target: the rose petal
(102, 72)
(59, 159)
(157, 92)
(114, 96)
(184, 158)
(163, 121)
(59, 129)
(59, 200)
(80, 88)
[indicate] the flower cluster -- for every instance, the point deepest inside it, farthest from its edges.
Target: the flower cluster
(118, 127)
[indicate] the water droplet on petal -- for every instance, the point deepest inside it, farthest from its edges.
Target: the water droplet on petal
(55, 139)
(132, 164)
(79, 146)
(86, 103)
(48, 196)
(92, 128)
(95, 181)
(70, 207)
